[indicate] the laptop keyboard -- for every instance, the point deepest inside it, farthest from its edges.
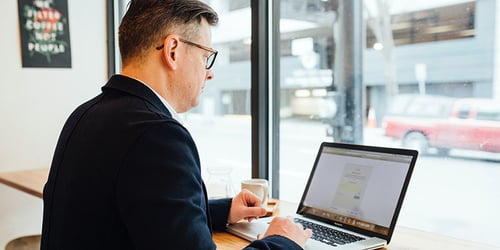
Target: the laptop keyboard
(328, 235)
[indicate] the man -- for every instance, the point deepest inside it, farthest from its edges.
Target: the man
(126, 173)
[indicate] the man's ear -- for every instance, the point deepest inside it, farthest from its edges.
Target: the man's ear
(170, 51)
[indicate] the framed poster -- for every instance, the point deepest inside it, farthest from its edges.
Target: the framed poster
(44, 29)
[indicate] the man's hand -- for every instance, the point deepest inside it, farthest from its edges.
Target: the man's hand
(245, 205)
(285, 226)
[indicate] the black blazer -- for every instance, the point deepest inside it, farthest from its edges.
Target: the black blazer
(126, 175)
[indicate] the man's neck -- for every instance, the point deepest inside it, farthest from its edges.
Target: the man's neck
(156, 79)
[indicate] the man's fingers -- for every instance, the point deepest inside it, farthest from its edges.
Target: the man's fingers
(251, 199)
(255, 211)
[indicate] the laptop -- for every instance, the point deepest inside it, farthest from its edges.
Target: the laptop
(353, 191)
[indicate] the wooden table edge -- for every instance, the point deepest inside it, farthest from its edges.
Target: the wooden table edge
(29, 181)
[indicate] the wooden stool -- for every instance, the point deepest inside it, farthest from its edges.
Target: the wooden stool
(31, 242)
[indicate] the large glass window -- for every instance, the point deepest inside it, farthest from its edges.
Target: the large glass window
(221, 125)
(398, 74)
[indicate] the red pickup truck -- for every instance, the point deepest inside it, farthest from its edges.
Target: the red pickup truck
(443, 123)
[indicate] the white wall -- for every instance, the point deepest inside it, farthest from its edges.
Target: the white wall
(35, 102)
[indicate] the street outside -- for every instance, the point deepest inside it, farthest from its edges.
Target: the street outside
(457, 195)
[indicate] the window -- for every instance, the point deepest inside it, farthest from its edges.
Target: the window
(221, 124)
(488, 113)
(366, 58)
(455, 21)
(463, 111)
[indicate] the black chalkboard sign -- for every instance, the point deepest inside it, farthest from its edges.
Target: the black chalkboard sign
(44, 29)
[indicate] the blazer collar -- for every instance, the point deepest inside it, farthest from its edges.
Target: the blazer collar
(133, 87)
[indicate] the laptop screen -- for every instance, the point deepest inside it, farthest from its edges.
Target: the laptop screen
(360, 187)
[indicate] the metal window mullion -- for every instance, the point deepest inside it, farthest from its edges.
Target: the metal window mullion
(275, 95)
(259, 89)
(110, 26)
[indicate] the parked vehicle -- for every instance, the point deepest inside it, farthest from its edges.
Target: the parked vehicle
(443, 123)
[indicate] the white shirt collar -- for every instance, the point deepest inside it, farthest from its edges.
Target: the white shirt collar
(174, 114)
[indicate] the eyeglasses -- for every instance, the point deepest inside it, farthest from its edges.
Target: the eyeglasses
(211, 57)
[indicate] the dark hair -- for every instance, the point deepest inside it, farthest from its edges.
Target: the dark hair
(147, 22)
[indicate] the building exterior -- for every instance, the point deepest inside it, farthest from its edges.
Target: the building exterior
(440, 49)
